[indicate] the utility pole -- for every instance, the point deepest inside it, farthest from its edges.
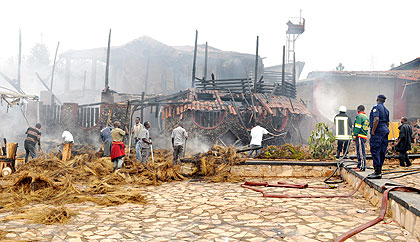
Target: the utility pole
(205, 63)
(283, 80)
(20, 59)
(107, 62)
(256, 66)
(294, 69)
(52, 73)
(195, 59)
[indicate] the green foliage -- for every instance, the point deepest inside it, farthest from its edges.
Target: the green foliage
(321, 142)
(286, 151)
(415, 149)
(340, 67)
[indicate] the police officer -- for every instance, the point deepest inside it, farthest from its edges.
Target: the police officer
(342, 126)
(379, 119)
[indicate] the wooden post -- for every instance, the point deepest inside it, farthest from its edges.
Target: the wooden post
(84, 84)
(93, 75)
(67, 75)
(108, 51)
(52, 74)
(205, 63)
(147, 74)
(37, 112)
(20, 59)
(142, 107)
(294, 73)
(256, 66)
(195, 59)
(283, 80)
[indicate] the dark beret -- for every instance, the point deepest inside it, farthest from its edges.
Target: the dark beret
(381, 97)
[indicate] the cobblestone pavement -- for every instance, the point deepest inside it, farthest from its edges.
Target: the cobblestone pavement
(199, 211)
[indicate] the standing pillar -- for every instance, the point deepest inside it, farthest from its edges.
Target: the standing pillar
(67, 75)
(93, 74)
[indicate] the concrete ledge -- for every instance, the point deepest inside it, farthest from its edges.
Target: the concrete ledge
(403, 207)
(269, 168)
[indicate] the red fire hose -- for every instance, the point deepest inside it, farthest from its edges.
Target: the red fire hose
(350, 233)
(285, 185)
(381, 215)
(250, 185)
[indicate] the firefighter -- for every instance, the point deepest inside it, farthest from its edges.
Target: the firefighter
(379, 120)
(342, 126)
(360, 132)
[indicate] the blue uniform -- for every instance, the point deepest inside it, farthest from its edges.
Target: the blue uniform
(379, 141)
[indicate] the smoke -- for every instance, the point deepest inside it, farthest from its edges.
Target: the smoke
(327, 101)
(13, 125)
(196, 145)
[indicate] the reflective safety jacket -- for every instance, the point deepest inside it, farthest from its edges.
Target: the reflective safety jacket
(342, 124)
(361, 126)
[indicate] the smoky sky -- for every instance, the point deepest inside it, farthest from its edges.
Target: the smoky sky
(363, 35)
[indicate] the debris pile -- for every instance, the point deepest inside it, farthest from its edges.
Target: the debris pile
(215, 164)
(87, 178)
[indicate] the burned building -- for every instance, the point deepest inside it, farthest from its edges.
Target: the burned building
(147, 65)
(227, 95)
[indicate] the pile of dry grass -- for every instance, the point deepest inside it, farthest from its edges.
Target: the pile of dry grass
(44, 215)
(88, 178)
(84, 178)
(215, 164)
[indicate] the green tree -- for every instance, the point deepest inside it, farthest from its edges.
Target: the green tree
(321, 142)
(340, 67)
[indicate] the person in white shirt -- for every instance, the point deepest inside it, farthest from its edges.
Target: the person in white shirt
(137, 129)
(67, 145)
(257, 134)
(145, 142)
(179, 137)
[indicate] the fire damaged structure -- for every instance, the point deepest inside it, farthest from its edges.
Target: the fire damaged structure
(221, 109)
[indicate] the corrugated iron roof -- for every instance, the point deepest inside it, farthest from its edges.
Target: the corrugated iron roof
(282, 103)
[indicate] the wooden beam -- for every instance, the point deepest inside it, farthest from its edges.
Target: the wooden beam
(20, 59)
(52, 73)
(283, 71)
(195, 59)
(256, 65)
(108, 52)
(205, 63)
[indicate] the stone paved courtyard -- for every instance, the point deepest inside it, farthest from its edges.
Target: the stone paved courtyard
(200, 211)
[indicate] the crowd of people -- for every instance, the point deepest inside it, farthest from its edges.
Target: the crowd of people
(378, 124)
(112, 138)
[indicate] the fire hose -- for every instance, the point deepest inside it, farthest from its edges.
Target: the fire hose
(340, 163)
(350, 233)
(250, 185)
(384, 206)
